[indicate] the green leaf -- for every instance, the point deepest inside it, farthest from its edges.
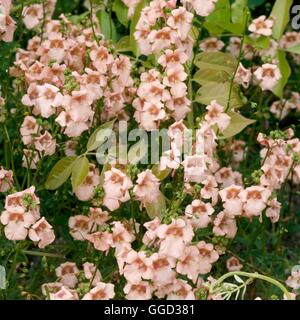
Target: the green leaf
(80, 170)
(216, 61)
(121, 11)
(107, 25)
(138, 151)
(295, 49)
(281, 13)
(260, 43)
(239, 12)
(134, 21)
(220, 19)
(160, 174)
(285, 70)
(220, 93)
(123, 45)
(237, 124)
(221, 14)
(100, 135)
(60, 173)
(154, 209)
(208, 75)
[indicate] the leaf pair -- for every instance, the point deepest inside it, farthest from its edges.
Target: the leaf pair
(76, 167)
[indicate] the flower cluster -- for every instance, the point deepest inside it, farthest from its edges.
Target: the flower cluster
(22, 218)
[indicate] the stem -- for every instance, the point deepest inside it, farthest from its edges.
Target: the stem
(237, 65)
(42, 254)
(253, 276)
(44, 20)
(92, 23)
(190, 116)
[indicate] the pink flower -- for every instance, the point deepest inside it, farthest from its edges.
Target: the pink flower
(121, 234)
(150, 115)
(268, 76)
(102, 240)
(6, 179)
(142, 37)
(209, 189)
(64, 294)
(138, 266)
(99, 217)
(199, 212)
(216, 115)
(162, 39)
(16, 224)
(290, 39)
(49, 98)
(153, 91)
(32, 15)
(147, 188)
(28, 129)
(179, 106)
(116, 187)
(92, 273)
(174, 78)
(194, 167)
(102, 291)
(70, 149)
(281, 108)
(23, 201)
(189, 262)
(211, 45)
(273, 212)
(101, 58)
(180, 290)
(67, 273)
(45, 144)
(232, 202)
(42, 233)
(224, 225)
(171, 159)
(227, 177)
(174, 237)
(80, 226)
(56, 47)
(30, 158)
(151, 234)
(122, 68)
(180, 20)
(86, 190)
(255, 200)
(131, 4)
(293, 280)
(233, 264)
(163, 272)
(51, 287)
(243, 76)
(261, 26)
(7, 24)
(203, 7)
(172, 58)
(208, 256)
(140, 291)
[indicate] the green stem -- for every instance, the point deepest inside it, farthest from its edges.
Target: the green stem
(253, 276)
(237, 65)
(42, 254)
(92, 23)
